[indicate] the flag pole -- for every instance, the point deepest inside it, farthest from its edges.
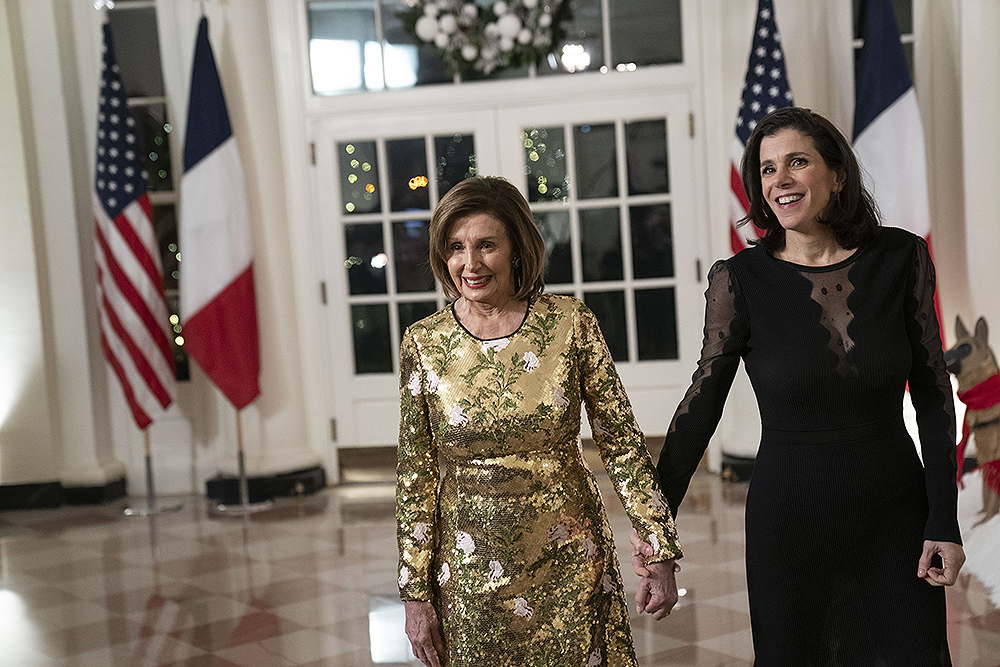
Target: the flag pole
(151, 508)
(245, 507)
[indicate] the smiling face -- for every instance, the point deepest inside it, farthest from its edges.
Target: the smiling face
(479, 256)
(795, 181)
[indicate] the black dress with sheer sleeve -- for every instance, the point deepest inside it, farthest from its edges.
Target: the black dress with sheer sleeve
(840, 502)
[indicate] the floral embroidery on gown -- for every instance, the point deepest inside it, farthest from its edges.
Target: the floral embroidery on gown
(499, 520)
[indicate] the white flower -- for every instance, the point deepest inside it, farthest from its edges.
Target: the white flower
(597, 427)
(496, 570)
(441, 39)
(432, 381)
(589, 549)
(404, 577)
(495, 345)
(420, 532)
(596, 659)
(414, 384)
(530, 361)
(559, 396)
(657, 499)
(465, 542)
(524, 37)
(609, 586)
(500, 7)
(509, 25)
(558, 533)
(469, 52)
(445, 574)
(448, 23)
(426, 27)
(530, 4)
(653, 542)
(470, 10)
(457, 417)
(522, 609)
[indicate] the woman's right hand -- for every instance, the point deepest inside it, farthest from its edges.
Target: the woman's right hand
(424, 632)
(640, 550)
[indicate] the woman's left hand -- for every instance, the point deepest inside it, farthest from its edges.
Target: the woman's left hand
(657, 592)
(952, 559)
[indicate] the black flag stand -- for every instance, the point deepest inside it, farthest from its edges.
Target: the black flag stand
(151, 508)
(245, 507)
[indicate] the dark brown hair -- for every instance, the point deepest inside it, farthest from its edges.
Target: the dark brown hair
(499, 198)
(851, 215)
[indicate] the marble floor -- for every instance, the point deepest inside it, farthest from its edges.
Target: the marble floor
(312, 583)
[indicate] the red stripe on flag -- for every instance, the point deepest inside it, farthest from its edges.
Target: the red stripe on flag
(735, 241)
(141, 418)
(138, 358)
(737, 186)
(129, 235)
(222, 338)
(132, 295)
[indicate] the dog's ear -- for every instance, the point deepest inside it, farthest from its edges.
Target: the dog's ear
(982, 331)
(960, 330)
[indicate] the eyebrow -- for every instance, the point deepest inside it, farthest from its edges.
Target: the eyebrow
(786, 157)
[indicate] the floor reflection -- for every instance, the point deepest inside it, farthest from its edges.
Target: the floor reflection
(312, 583)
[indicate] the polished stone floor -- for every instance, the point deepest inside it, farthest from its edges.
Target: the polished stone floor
(312, 583)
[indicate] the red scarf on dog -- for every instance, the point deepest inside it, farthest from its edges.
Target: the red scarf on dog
(984, 395)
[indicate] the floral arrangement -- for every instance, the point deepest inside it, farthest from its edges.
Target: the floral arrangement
(483, 35)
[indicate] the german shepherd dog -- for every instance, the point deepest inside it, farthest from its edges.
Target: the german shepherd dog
(973, 363)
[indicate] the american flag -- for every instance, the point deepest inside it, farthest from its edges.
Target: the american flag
(765, 90)
(132, 308)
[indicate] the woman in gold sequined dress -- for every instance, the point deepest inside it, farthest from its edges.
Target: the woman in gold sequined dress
(506, 555)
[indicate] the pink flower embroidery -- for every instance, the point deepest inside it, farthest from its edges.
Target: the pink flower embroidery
(522, 609)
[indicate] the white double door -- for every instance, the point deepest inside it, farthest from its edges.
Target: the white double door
(612, 184)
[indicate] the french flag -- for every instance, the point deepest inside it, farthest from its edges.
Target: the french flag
(217, 302)
(888, 135)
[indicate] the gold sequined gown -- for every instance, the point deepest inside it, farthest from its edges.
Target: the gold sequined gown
(499, 520)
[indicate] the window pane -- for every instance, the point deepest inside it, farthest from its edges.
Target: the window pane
(656, 323)
(414, 312)
(596, 161)
(646, 155)
(455, 160)
(154, 142)
(366, 259)
(545, 164)
(372, 348)
(407, 174)
(646, 33)
(405, 61)
(165, 227)
(601, 244)
(181, 363)
(609, 307)
(410, 243)
(358, 177)
(344, 53)
(652, 242)
(137, 50)
(555, 229)
(582, 48)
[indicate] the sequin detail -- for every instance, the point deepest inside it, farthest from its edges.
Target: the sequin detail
(517, 555)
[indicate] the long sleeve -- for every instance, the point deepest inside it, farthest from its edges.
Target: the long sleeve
(699, 412)
(416, 478)
(931, 393)
(621, 442)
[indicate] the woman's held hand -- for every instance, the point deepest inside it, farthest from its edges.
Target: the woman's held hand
(657, 592)
(952, 559)
(424, 632)
(640, 550)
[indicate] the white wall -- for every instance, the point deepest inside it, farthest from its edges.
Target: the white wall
(70, 422)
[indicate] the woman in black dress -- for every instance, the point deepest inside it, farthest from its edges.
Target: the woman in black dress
(848, 537)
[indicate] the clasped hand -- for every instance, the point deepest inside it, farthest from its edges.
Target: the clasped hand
(657, 592)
